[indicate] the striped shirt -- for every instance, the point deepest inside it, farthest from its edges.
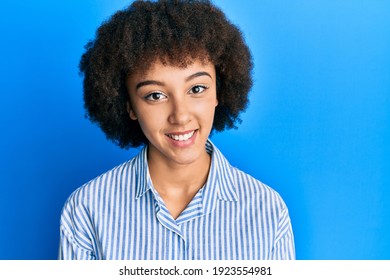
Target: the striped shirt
(119, 215)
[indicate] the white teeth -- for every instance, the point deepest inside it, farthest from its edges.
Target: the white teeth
(182, 137)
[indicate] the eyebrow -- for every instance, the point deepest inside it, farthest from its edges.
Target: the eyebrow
(149, 82)
(198, 74)
(189, 78)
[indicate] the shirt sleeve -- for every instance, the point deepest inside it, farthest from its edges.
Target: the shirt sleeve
(77, 238)
(69, 250)
(284, 248)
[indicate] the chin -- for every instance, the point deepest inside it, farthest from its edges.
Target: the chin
(185, 160)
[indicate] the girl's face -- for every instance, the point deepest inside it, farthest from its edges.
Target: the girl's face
(175, 109)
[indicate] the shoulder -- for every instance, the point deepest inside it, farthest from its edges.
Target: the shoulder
(241, 185)
(88, 208)
(255, 198)
(247, 186)
(102, 187)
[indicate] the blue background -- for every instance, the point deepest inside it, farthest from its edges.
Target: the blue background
(317, 129)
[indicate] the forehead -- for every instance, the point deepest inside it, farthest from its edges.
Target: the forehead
(163, 69)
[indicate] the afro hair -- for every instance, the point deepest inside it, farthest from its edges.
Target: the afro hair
(176, 32)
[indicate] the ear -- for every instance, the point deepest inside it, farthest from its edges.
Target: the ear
(130, 111)
(216, 101)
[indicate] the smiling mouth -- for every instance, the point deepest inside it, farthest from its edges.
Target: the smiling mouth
(181, 137)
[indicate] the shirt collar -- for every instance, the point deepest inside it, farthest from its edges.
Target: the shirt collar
(221, 176)
(143, 180)
(220, 184)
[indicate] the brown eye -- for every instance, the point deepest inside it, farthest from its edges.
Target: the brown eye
(197, 89)
(155, 96)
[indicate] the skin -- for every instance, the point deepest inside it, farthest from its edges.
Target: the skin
(171, 102)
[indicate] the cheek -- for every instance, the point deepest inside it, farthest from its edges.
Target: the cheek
(150, 120)
(205, 114)
(206, 108)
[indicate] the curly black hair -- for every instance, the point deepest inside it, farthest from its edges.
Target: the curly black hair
(176, 32)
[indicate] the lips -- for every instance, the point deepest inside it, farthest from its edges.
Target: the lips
(181, 136)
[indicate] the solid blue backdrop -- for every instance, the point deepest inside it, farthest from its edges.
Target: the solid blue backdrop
(317, 129)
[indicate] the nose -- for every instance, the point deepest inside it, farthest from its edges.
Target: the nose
(180, 111)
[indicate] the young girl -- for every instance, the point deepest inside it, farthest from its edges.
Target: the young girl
(165, 75)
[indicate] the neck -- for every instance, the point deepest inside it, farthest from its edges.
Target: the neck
(177, 182)
(171, 177)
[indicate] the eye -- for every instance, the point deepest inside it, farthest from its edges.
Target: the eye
(155, 96)
(198, 89)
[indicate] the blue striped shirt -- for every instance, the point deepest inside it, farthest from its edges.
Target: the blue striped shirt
(119, 215)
